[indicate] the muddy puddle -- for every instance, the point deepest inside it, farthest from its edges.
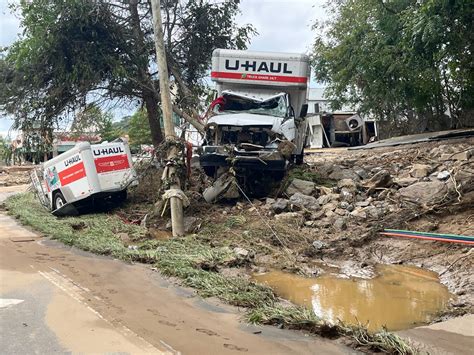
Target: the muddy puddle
(401, 297)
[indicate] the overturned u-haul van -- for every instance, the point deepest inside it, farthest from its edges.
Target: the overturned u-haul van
(87, 173)
(257, 123)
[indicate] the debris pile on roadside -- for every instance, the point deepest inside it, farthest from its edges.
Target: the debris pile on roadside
(328, 214)
(14, 175)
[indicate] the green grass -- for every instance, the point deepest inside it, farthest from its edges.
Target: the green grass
(196, 264)
(308, 175)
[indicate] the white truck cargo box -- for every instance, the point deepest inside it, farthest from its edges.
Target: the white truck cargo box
(87, 172)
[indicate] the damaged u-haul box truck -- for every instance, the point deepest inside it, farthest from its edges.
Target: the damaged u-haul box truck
(257, 124)
(86, 174)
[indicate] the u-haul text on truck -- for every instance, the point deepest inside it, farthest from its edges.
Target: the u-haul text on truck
(85, 174)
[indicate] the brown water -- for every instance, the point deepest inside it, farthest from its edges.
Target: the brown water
(400, 297)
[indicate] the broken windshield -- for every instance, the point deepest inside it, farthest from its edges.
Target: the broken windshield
(275, 106)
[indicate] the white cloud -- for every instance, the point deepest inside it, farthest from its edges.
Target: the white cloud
(9, 25)
(283, 25)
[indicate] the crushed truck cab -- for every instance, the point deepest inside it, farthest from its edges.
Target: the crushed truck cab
(85, 174)
(257, 124)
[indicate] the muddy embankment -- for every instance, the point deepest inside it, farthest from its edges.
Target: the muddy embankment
(326, 220)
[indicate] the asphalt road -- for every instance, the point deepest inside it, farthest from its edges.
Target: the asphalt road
(56, 299)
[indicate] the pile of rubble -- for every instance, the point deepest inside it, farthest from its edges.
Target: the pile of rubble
(14, 175)
(368, 186)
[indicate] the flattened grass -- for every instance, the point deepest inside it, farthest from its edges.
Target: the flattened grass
(195, 263)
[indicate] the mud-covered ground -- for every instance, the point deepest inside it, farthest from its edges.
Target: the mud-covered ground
(333, 218)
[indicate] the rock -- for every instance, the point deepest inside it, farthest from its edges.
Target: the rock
(344, 205)
(325, 199)
(380, 180)
(466, 155)
(404, 182)
(323, 190)
(428, 193)
(373, 212)
(318, 245)
(446, 156)
(346, 195)
(358, 213)
(339, 173)
(304, 201)
(191, 224)
(269, 201)
(347, 183)
(241, 252)
(329, 214)
(317, 215)
(340, 223)
(124, 237)
(443, 175)
(420, 170)
(331, 206)
(340, 212)
(362, 173)
(290, 217)
(280, 205)
(302, 186)
(363, 203)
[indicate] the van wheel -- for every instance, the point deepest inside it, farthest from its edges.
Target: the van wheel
(58, 200)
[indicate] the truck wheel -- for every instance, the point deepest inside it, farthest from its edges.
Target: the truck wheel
(58, 200)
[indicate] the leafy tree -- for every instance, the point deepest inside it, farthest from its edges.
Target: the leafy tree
(139, 130)
(5, 150)
(93, 120)
(403, 61)
(74, 50)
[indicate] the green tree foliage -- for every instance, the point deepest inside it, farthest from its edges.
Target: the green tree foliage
(404, 61)
(139, 129)
(93, 120)
(74, 50)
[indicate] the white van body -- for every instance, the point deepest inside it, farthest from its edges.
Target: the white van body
(87, 171)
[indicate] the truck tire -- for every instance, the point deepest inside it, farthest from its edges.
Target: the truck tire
(58, 200)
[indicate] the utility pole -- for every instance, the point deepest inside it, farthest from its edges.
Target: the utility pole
(176, 203)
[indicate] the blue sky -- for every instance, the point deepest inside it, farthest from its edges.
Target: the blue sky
(283, 26)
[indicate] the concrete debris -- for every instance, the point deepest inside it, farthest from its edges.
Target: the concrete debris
(302, 186)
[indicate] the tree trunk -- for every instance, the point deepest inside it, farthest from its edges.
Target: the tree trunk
(152, 109)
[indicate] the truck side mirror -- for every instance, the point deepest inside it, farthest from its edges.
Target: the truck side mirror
(304, 111)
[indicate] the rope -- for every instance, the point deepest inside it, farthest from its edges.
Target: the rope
(264, 220)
